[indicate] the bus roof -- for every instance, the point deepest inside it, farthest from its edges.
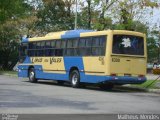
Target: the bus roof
(79, 33)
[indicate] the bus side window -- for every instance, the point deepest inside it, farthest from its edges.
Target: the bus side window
(75, 46)
(47, 48)
(53, 44)
(98, 46)
(32, 47)
(85, 46)
(58, 50)
(88, 42)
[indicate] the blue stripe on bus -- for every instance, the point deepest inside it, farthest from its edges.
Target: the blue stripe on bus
(51, 76)
(27, 60)
(73, 62)
(40, 74)
(74, 33)
(70, 62)
(90, 78)
(24, 39)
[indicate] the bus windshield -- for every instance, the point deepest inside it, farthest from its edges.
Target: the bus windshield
(22, 52)
(128, 44)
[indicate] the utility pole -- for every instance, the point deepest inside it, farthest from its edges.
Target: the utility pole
(159, 50)
(75, 27)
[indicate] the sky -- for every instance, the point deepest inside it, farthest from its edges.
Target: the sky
(155, 19)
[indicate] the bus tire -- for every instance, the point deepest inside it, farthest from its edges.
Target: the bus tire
(31, 76)
(75, 79)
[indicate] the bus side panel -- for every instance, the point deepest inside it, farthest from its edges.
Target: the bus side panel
(60, 70)
(91, 78)
(70, 62)
(23, 68)
(50, 76)
(94, 65)
(79, 63)
(22, 71)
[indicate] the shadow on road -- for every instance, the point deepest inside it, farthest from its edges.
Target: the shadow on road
(94, 87)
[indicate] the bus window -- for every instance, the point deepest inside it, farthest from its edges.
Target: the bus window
(58, 43)
(127, 44)
(85, 46)
(82, 42)
(88, 42)
(72, 47)
(48, 44)
(69, 43)
(98, 46)
(63, 44)
(58, 50)
(75, 43)
(22, 52)
(53, 44)
(32, 45)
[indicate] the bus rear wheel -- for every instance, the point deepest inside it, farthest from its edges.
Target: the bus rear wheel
(75, 79)
(32, 77)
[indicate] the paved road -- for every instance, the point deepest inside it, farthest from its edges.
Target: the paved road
(19, 96)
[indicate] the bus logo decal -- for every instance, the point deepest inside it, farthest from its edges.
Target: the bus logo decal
(55, 60)
(126, 42)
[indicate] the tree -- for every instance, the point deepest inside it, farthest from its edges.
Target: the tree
(153, 43)
(10, 12)
(104, 20)
(8, 44)
(128, 11)
(54, 16)
(12, 9)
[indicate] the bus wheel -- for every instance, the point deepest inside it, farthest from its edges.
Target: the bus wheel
(32, 77)
(107, 86)
(75, 79)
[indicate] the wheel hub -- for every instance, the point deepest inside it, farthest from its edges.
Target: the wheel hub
(32, 75)
(74, 79)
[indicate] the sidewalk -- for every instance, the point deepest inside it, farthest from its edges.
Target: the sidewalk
(152, 76)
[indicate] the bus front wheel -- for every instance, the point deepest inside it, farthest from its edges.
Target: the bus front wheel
(75, 79)
(32, 77)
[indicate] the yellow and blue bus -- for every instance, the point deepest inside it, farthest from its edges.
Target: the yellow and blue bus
(107, 58)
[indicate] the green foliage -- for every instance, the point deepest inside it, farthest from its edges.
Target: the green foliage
(38, 17)
(9, 43)
(153, 43)
(10, 12)
(152, 50)
(12, 9)
(54, 17)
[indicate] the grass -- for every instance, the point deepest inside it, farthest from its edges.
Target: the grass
(11, 73)
(149, 84)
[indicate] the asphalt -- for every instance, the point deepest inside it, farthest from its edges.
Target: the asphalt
(19, 96)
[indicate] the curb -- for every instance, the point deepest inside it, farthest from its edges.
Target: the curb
(14, 75)
(138, 89)
(154, 90)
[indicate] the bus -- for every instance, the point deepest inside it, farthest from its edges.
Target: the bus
(106, 58)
